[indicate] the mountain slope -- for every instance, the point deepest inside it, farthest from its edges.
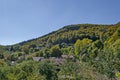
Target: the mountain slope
(68, 36)
(88, 51)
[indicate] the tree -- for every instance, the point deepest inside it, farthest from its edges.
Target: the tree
(47, 69)
(3, 73)
(1, 56)
(115, 47)
(25, 49)
(14, 57)
(55, 51)
(94, 49)
(77, 47)
(46, 52)
(80, 46)
(113, 38)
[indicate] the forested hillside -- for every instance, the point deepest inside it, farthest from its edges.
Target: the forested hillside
(92, 53)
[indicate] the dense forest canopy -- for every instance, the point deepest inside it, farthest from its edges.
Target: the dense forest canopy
(74, 52)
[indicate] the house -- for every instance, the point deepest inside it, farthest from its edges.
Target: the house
(64, 56)
(71, 57)
(11, 63)
(67, 56)
(57, 61)
(37, 59)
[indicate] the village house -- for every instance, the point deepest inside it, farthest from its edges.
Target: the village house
(37, 59)
(58, 61)
(67, 56)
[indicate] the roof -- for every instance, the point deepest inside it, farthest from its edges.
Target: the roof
(38, 58)
(58, 61)
(67, 56)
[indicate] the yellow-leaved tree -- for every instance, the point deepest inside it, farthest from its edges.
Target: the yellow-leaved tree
(81, 45)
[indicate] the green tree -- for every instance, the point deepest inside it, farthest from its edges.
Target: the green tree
(47, 69)
(25, 49)
(2, 75)
(46, 53)
(115, 48)
(55, 51)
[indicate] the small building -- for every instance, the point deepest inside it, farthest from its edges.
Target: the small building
(57, 61)
(64, 56)
(11, 63)
(37, 59)
(67, 56)
(71, 57)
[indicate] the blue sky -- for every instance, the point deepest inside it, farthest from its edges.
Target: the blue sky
(22, 20)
